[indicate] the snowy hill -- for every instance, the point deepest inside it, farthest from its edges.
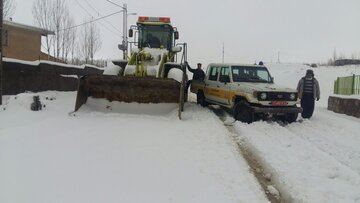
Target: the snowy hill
(51, 156)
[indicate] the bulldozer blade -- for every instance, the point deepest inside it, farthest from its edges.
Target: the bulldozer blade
(128, 89)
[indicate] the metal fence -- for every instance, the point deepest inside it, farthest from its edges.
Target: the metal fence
(347, 85)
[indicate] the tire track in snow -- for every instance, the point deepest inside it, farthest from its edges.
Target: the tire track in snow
(299, 170)
(256, 167)
(302, 172)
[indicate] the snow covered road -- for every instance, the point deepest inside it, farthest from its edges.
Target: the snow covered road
(48, 156)
(302, 171)
(316, 160)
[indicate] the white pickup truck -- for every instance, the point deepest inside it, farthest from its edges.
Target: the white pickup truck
(248, 90)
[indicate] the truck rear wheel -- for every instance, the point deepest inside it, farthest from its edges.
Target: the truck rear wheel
(243, 112)
(200, 99)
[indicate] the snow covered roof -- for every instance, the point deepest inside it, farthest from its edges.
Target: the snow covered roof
(28, 27)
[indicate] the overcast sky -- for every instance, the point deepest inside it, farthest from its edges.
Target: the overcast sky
(251, 30)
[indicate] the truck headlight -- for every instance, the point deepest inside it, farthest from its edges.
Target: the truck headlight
(292, 96)
(263, 96)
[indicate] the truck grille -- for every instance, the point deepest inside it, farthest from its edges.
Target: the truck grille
(277, 96)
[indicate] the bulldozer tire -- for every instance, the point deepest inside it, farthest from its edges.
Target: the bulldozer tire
(200, 99)
(243, 112)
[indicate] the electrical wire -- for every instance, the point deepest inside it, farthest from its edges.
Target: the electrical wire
(114, 3)
(87, 2)
(91, 21)
(83, 8)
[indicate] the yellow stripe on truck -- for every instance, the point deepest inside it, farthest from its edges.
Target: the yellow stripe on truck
(228, 95)
(217, 92)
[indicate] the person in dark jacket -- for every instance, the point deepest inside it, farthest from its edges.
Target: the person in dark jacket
(308, 89)
(198, 74)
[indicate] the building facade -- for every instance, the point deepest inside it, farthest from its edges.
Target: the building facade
(24, 42)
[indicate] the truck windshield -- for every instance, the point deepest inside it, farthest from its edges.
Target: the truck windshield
(250, 74)
(155, 36)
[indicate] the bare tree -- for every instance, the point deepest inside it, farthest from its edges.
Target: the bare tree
(42, 11)
(9, 8)
(73, 44)
(68, 37)
(55, 15)
(60, 15)
(90, 42)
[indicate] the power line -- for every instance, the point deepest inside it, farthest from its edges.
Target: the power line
(87, 2)
(83, 8)
(91, 21)
(114, 3)
(92, 7)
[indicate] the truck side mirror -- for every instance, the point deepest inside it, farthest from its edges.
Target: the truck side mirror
(176, 35)
(131, 32)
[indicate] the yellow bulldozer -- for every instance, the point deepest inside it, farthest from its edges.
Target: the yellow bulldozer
(152, 73)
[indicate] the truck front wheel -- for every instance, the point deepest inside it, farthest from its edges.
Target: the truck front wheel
(200, 99)
(243, 112)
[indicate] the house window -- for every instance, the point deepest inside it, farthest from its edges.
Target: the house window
(5, 38)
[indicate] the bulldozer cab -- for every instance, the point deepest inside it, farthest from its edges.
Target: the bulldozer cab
(155, 32)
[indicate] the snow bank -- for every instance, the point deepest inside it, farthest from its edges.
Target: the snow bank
(36, 63)
(111, 69)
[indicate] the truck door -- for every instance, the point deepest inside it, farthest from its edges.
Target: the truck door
(224, 85)
(211, 83)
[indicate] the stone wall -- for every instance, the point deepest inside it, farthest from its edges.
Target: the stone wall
(346, 106)
(21, 76)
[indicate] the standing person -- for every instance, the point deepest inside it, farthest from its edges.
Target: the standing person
(308, 89)
(198, 74)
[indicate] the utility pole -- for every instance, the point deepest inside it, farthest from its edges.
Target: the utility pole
(278, 57)
(1, 49)
(124, 45)
(125, 41)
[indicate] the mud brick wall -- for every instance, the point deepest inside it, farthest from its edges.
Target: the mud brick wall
(349, 107)
(19, 77)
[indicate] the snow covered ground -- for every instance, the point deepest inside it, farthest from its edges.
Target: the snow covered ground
(97, 156)
(50, 156)
(316, 160)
